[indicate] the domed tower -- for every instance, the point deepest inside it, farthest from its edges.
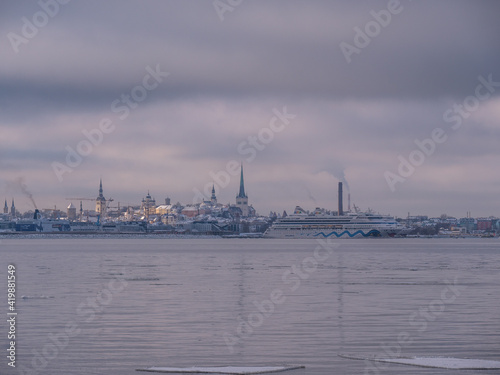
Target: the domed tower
(148, 206)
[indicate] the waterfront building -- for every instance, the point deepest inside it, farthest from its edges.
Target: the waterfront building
(468, 223)
(484, 224)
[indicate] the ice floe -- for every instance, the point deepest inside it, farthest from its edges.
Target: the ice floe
(436, 362)
(235, 370)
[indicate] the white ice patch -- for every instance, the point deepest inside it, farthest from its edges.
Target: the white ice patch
(448, 363)
(236, 370)
(436, 362)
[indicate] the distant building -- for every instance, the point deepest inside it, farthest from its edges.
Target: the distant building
(100, 202)
(190, 211)
(167, 213)
(5, 208)
(417, 218)
(234, 212)
(468, 223)
(205, 208)
(242, 198)
(165, 209)
(168, 219)
(71, 212)
(148, 206)
(484, 224)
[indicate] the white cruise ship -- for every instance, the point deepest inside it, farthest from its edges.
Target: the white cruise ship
(320, 225)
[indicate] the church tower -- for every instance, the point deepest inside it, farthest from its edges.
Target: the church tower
(148, 206)
(13, 209)
(5, 208)
(100, 202)
(242, 198)
(213, 198)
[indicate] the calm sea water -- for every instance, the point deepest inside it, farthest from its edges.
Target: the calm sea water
(110, 306)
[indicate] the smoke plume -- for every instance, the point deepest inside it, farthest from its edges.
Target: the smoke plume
(19, 185)
(337, 171)
(309, 194)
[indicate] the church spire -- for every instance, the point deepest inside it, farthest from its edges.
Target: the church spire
(241, 198)
(242, 185)
(100, 202)
(213, 198)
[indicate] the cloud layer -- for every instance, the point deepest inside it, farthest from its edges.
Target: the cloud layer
(225, 79)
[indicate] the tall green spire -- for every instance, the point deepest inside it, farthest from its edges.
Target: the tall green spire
(242, 185)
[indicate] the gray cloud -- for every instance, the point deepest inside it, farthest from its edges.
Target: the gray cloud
(353, 120)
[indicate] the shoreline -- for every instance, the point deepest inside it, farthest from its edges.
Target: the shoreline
(63, 235)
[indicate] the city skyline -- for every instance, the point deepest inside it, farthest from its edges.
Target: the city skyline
(103, 203)
(303, 94)
(96, 205)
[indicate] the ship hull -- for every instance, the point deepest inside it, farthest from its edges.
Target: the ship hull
(340, 233)
(301, 225)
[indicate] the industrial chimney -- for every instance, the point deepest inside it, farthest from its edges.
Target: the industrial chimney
(341, 209)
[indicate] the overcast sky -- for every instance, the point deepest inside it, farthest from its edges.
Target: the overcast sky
(355, 104)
